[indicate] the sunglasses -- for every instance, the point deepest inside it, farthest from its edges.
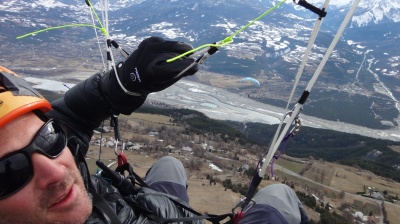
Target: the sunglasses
(16, 169)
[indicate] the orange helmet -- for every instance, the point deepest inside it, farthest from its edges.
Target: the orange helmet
(17, 97)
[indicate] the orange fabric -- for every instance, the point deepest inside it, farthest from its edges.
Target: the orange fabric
(13, 106)
(4, 69)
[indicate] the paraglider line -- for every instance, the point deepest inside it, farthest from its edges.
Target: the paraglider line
(61, 27)
(229, 39)
(101, 28)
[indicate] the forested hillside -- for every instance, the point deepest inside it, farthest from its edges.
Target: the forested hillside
(349, 149)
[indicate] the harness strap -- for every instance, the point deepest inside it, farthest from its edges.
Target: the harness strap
(215, 219)
(319, 12)
(255, 181)
(101, 204)
(128, 167)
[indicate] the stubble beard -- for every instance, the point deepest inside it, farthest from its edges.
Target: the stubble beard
(40, 212)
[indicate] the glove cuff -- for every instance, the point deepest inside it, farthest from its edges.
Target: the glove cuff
(120, 73)
(121, 101)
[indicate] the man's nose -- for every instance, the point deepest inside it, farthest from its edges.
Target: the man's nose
(47, 171)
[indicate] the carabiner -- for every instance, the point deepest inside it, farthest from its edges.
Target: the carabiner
(241, 204)
(297, 126)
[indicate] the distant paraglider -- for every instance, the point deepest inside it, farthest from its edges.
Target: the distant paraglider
(249, 79)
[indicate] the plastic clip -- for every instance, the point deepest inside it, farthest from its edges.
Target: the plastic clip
(320, 12)
(244, 207)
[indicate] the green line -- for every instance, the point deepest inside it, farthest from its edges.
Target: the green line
(101, 28)
(104, 31)
(59, 27)
(229, 39)
(199, 48)
(258, 18)
(222, 43)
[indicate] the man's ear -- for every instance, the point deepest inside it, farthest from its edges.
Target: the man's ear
(75, 146)
(83, 169)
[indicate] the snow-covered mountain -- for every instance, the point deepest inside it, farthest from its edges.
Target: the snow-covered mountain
(378, 11)
(362, 75)
(369, 11)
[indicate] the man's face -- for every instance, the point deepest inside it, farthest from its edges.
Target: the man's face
(56, 192)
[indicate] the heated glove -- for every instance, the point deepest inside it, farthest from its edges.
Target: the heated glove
(146, 70)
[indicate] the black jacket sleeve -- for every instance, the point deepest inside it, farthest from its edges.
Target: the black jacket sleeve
(87, 104)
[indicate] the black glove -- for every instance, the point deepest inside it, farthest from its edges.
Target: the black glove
(146, 69)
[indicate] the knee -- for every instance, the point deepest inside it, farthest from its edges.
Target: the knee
(170, 162)
(169, 159)
(167, 168)
(276, 188)
(282, 198)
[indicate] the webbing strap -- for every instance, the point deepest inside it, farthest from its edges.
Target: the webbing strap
(296, 111)
(305, 4)
(215, 219)
(100, 203)
(299, 73)
(255, 181)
